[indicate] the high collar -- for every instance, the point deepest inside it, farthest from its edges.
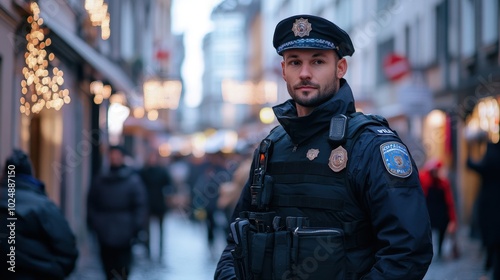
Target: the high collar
(302, 128)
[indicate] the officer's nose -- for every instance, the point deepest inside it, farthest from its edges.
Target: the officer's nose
(305, 72)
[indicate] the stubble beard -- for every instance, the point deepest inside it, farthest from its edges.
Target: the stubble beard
(323, 95)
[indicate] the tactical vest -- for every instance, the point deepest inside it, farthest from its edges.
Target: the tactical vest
(308, 219)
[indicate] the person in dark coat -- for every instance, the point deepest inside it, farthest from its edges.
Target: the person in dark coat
(36, 241)
(206, 193)
(117, 212)
(159, 185)
(488, 203)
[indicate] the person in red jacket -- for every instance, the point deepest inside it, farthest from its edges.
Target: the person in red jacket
(440, 202)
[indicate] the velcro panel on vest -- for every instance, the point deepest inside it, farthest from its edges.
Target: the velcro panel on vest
(307, 202)
(287, 168)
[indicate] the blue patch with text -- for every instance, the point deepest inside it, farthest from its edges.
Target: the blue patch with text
(396, 159)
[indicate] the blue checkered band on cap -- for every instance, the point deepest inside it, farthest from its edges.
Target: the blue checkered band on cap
(307, 43)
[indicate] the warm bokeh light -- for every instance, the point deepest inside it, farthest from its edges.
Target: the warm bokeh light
(248, 92)
(153, 115)
(100, 91)
(266, 115)
(160, 94)
(40, 89)
(138, 112)
(436, 118)
(99, 16)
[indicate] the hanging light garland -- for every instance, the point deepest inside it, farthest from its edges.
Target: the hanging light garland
(39, 88)
(100, 91)
(99, 16)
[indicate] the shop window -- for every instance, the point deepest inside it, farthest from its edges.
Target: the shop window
(383, 50)
(489, 22)
(468, 28)
(441, 28)
(484, 120)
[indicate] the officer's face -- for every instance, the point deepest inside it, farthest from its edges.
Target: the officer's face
(312, 76)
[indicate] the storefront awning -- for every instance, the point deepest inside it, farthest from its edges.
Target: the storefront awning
(116, 76)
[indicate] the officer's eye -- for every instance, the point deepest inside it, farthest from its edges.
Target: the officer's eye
(294, 62)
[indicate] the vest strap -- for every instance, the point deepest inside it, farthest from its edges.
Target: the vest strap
(307, 202)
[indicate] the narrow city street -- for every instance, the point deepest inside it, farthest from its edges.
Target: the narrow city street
(187, 257)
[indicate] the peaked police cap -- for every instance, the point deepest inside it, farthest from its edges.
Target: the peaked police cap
(311, 32)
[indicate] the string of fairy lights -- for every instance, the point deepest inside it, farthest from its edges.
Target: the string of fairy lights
(40, 88)
(99, 16)
(42, 83)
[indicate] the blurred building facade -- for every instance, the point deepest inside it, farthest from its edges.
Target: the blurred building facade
(71, 73)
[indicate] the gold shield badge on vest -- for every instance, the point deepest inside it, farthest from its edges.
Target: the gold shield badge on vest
(312, 154)
(338, 159)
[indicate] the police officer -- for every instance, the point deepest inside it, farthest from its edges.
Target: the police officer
(332, 194)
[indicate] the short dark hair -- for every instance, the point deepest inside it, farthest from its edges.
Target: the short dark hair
(21, 161)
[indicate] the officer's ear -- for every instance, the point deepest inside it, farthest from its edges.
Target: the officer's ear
(341, 68)
(283, 68)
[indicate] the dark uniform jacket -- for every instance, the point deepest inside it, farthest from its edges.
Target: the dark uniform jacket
(117, 207)
(45, 246)
(383, 214)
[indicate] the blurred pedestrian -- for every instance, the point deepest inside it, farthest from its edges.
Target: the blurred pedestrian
(230, 191)
(440, 204)
(159, 185)
(205, 194)
(41, 245)
(117, 212)
(488, 203)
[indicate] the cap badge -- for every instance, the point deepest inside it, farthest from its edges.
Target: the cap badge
(301, 27)
(338, 159)
(312, 154)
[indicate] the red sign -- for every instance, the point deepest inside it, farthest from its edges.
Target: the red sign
(396, 66)
(162, 55)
